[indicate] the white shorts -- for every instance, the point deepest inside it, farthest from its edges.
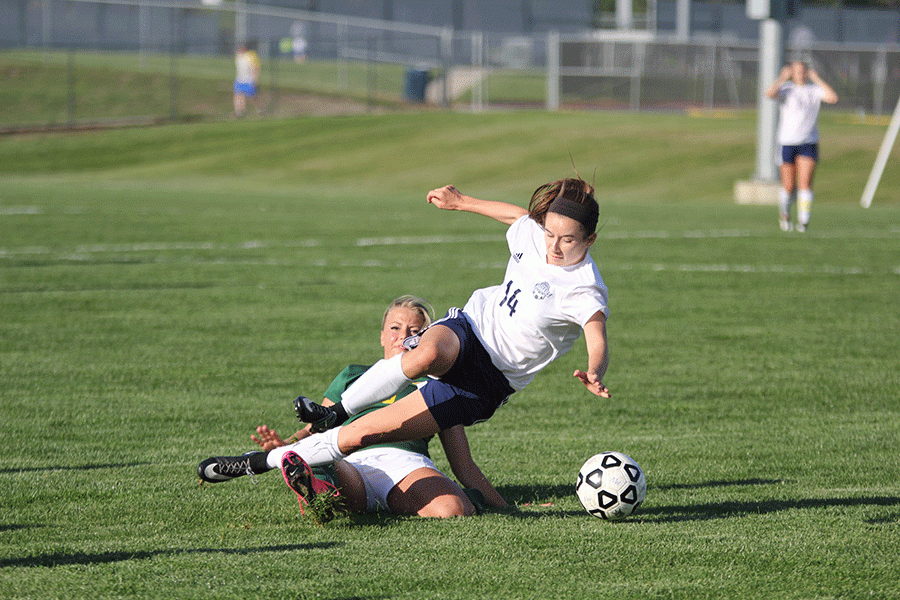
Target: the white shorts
(383, 468)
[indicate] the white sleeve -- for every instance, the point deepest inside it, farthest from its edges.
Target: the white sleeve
(584, 303)
(523, 226)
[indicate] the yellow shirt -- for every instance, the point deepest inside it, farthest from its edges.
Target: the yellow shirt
(247, 64)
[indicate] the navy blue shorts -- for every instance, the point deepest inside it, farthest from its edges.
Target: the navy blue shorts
(473, 388)
(789, 154)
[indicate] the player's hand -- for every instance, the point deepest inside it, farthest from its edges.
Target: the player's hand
(267, 438)
(785, 73)
(446, 198)
(592, 383)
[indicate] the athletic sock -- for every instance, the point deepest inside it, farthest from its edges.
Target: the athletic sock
(804, 206)
(383, 380)
(258, 463)
(341, 413)
(317, 450)
(784, 202)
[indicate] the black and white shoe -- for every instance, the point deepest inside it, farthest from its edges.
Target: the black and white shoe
(226, 468)
(320, 417)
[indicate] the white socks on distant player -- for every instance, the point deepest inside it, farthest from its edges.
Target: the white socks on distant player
(804, 205)
(383, 380)
(785, 200)
(317, 450)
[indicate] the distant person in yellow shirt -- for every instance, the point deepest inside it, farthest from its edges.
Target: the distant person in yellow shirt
(246, 80)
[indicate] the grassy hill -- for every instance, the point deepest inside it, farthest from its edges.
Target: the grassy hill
(632, 157)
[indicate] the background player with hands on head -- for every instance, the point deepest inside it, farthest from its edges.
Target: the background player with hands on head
(800, 92)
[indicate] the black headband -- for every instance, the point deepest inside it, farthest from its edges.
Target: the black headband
(586, 214)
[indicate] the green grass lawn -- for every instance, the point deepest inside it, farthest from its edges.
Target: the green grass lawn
(165, 290)
(58, 87)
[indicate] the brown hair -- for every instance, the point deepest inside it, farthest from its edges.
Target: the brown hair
(576, 190)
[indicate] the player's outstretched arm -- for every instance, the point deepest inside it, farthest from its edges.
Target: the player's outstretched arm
(450, 198)
(598, 356)
(459, 455)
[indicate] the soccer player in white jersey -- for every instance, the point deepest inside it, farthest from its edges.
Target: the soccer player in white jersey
(478, 356)
(800, 92)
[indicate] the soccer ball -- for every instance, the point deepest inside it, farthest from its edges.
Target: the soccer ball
(611, 486)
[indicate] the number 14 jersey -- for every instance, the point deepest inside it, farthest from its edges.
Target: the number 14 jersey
(539, 311)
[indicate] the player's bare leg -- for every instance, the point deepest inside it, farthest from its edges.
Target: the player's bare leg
(427, 493)
(435, 353)
(404, 420)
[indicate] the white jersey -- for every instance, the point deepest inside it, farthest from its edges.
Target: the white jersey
(539, 311)
(798, 113)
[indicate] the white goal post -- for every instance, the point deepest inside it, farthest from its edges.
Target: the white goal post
(881, 160)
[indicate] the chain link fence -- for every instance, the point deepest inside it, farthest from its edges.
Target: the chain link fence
(648, 72)
(90, 62)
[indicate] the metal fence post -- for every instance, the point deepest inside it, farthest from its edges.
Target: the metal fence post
(371, 79)
(879, 77)
(478, 67)
(637, 71)
(240, 22)
(447, 58)
(710, 93)
(46, 27)
(173, 66)
(343, 56)
(275, 91)
(70, 87)
(553, 66)
(771, 52)
(143, 25)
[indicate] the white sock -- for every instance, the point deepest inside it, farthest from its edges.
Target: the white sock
(383, 380)
(784, 201)
(317, 450)
(804, 205)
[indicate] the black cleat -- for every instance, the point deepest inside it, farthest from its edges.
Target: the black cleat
(225, 468)
(320, 417)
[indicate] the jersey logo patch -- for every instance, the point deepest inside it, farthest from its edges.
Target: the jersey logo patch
(517, 256)
(541, 291)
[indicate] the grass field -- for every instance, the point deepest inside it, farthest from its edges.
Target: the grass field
(54, 87)
(165, 290)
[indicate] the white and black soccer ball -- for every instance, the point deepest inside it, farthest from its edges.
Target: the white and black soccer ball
(611, 485)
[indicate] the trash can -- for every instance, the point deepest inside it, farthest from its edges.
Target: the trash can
(416, 82)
